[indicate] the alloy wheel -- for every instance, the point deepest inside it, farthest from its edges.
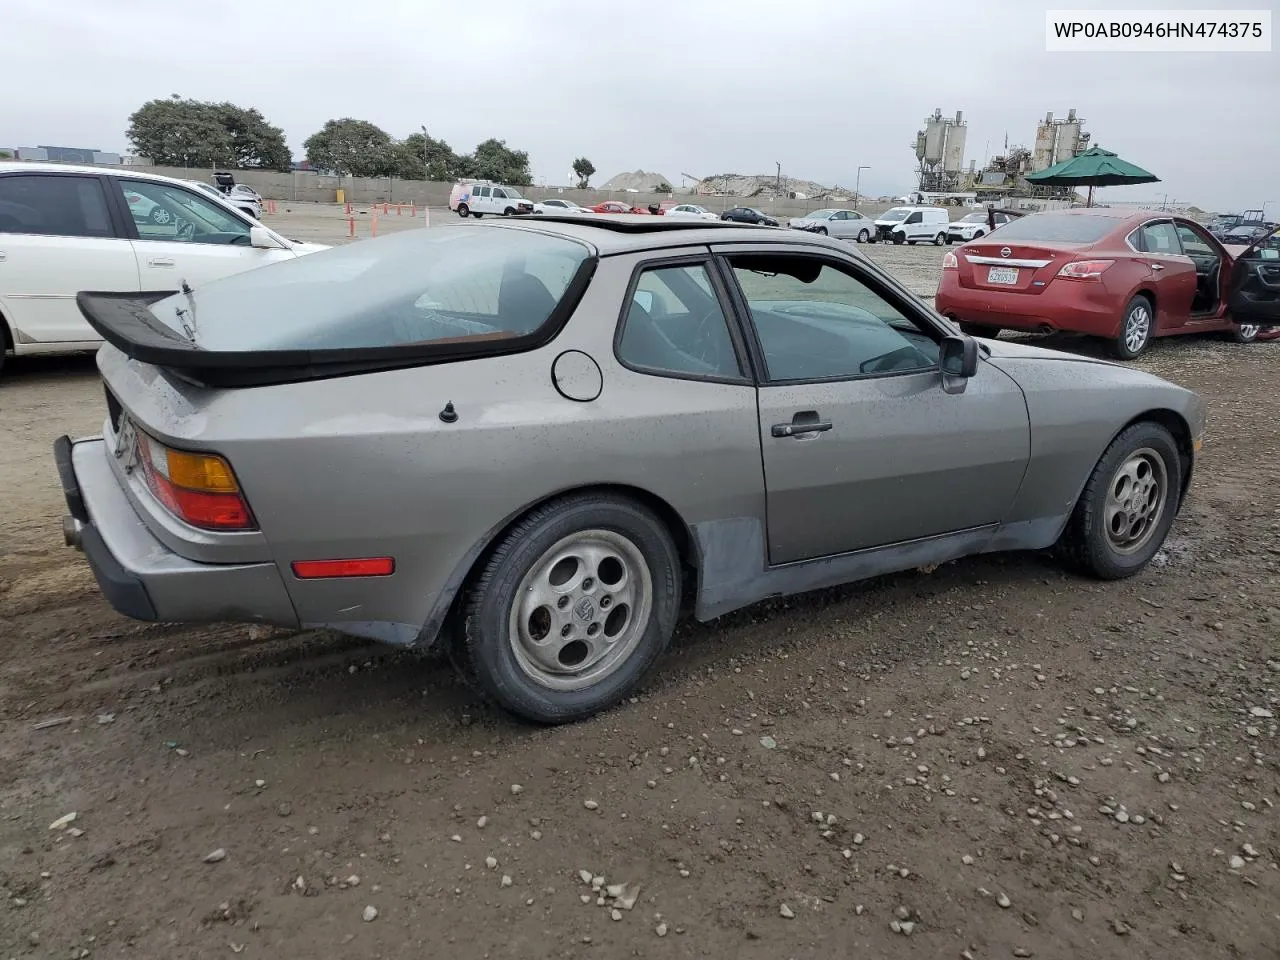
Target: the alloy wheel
(1136, 500)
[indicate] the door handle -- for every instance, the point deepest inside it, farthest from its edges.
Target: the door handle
(160, 262)
(1156, 266)
(1, 257)
(801, 424)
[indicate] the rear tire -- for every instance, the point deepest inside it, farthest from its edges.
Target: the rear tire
(607, 568)
(476, 215)
(1128, 505)
(463, 210)
(980, 330)
(1245, 333)
(939, 239)
(864, 237)
(1136, 329)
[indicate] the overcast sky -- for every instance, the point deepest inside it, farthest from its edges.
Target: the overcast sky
(674, 86)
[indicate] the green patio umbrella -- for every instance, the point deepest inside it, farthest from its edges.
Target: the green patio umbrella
(1093, 168)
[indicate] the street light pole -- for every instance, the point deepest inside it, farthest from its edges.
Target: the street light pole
(857, 182)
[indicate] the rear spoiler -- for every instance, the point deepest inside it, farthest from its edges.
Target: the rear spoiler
(126, 322)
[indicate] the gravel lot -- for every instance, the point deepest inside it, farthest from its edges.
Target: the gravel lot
(994, 759)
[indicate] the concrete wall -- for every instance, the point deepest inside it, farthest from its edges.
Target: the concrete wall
(314, 188)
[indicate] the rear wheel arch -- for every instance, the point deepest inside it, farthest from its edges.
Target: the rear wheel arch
(445, 615)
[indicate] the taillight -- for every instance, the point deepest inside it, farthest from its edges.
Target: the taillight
(198, 488)
(949, 261)
(1084, 269)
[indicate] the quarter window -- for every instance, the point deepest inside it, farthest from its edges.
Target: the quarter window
(675, 325)
(162, 211)
(815, 321)
(54, 206)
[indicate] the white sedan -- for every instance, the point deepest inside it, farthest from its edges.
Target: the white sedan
(557, 205)
(973, 225)
(243, 198)
(64, 229)
(691, 210)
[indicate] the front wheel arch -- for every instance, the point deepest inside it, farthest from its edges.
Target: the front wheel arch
(445, 614)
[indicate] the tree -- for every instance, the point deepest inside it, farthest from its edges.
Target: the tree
(181, 133)
(494, 160)
(420, 156)
(254, 142)
(583, 169)
(354, 147)
(664, 187)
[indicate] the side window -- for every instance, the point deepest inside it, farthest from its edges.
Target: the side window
(499, 192)
(1159, 237)
(162, 211)
(1193, 244)
(840, 215)
(674, 324)
(54, 206)
(916, 217)
(815, 321)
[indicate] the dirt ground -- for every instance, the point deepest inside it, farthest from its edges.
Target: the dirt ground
(994, 759)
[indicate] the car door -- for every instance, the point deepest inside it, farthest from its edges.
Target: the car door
(1253, 295)
(1172, 272)
(913, 226)
(839, 225)
(862, 443)
(198, 241)
(58, 236)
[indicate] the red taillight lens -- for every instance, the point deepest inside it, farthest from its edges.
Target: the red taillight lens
(1084, 269)
(198, 488)
(949, 262)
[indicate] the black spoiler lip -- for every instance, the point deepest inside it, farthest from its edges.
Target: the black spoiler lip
(126, 322)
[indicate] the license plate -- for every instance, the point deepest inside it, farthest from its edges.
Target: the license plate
(1005, 275)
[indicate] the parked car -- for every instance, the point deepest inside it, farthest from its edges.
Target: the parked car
(557, 205)
(1222, 224)
(748, 215)
(476, 198)
(617, 206)
(1125, 277)
(837, 222)
(243, 201)
(1245, 234)
(974, 225)
(66, 228)
(913, 224)
(466, 436)
(690, 210)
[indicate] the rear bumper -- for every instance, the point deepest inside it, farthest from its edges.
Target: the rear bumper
(140, 576)
(1037, 313)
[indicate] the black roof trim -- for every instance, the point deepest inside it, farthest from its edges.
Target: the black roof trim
(634, 222)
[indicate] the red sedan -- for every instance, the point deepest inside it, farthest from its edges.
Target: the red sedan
(1125, 277)
(617, 206)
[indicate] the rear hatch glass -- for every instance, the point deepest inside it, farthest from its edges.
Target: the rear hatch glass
(1059, 228)
(420, 287)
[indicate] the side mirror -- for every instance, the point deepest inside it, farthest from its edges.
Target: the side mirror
(264, 239)
(958, 356)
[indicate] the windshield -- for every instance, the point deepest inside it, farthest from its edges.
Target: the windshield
(819, 215)
(974, 218)
(513, 193)
(417, 287)
(897, 213)
(1059, 228)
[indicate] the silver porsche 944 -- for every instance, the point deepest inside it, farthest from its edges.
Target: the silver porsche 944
(535, 439)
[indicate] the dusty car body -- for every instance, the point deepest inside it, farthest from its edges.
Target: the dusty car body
(537, 446)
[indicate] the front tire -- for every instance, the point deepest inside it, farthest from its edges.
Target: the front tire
(1245, 333)
(572, 609)
(508, 212)
(898, 238)
(821, 231)
(160, 216)
(1128, 504)
(1136, 329)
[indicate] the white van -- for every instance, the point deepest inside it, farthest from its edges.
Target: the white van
(913, 224)
(475, 198)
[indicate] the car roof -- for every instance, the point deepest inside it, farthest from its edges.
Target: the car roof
(624, 233)
(37, 166)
